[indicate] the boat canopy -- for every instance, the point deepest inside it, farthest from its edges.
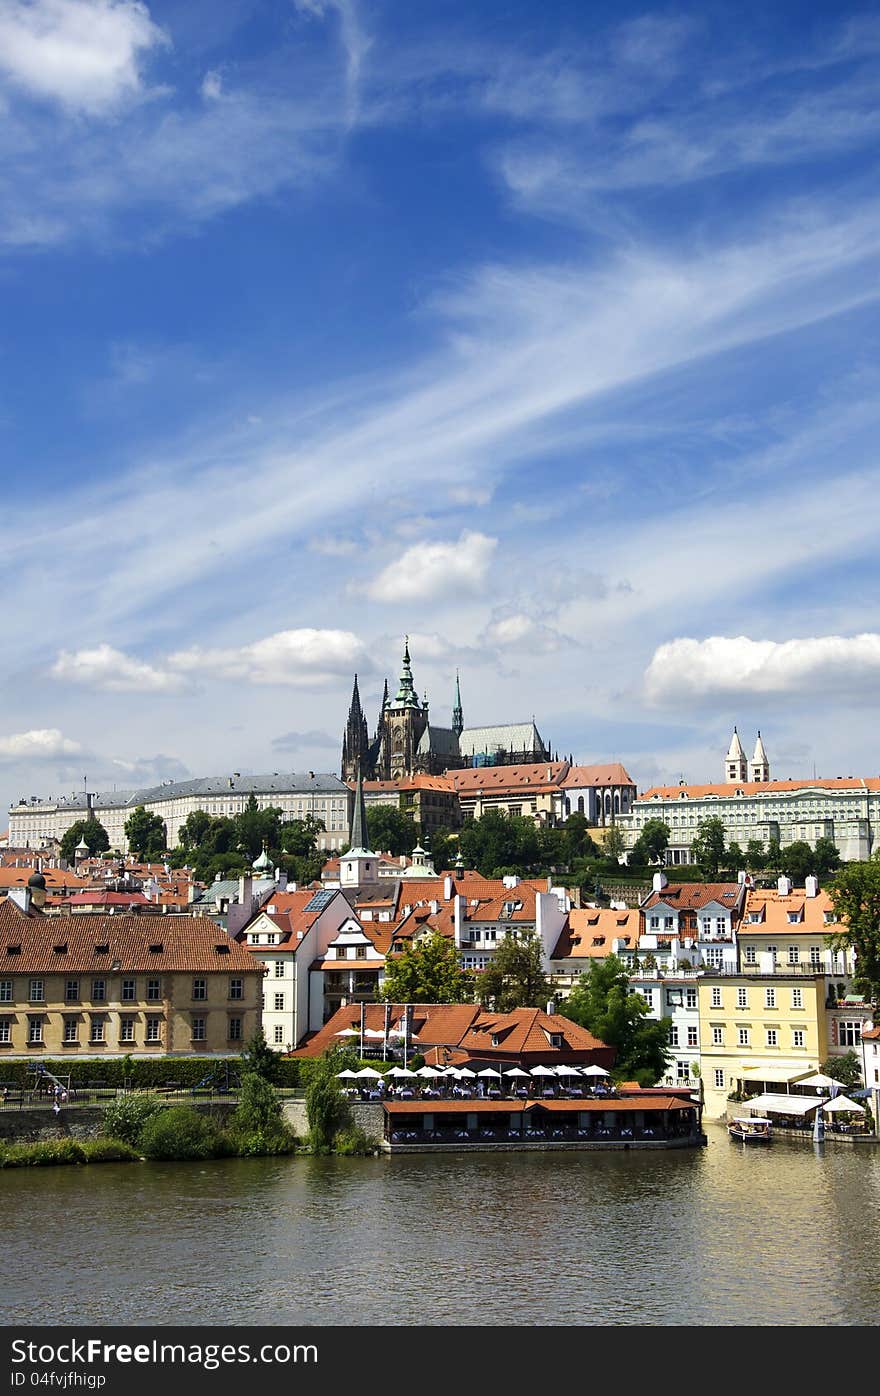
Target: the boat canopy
(752, 1120)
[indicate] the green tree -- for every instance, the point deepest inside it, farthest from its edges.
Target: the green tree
(755, 855)
(94, 833)
(826, 858)
(145, 834)
(258, 1059)
(708, 845)
(615, 844)
(500, 841)
(515, 978)
(193, 832)
(773, 856)
(734, 857)
(427, 972)
(389, 830)
(255, 827)
(652, 843)
(846, 1069)
(327, 1109)
(797, 861)
(300, 836)
(258, 1125)
(443, 847)
(855, 896)
(577, 840)
(602, 1003)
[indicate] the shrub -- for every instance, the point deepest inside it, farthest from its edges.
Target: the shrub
(126, 1116)
(352, 1141)
(42, 1153)
(258, 1125)
(326, 1107)
(109, 1151)
(180, 1132)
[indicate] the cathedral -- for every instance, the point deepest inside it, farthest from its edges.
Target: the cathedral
(407, 743)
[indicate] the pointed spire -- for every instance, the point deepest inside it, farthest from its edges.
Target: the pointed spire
(358, 840)
(735, 752)
(406, 692)
(457, 714)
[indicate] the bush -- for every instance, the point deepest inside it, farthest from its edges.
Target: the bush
(109, 1151)
(326, 1107)
(352, 1141)
(126, 1116)
(258, 1125)
(180, 1132)
(42, 1153)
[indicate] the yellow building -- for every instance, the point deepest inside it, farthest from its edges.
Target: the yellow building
(761, 1028)
(106, 986)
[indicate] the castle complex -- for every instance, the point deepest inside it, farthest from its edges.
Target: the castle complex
(407, 743)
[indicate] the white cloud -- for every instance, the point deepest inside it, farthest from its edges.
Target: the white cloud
(304, 658)
(519, 629)
(212, 86)
(688, 668)
(85, 54)
(428, 570)
(44, 743)
(108, 668)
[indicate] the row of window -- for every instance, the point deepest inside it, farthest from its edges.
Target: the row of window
(73, 994)
(98, 1025)
(771, 1036)
(771, 997)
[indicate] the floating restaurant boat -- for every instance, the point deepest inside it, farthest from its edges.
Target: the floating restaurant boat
(751, 1131)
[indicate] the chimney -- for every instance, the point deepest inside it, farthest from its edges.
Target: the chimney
(551, 1007)
(435, 906)
(281, 880)
(811, 885)
(245, 885)
(783, 885)
(447, 888)
(21, 896)
(659, 881)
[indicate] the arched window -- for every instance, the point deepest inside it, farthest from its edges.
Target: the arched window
(580, 804)
(617, 802)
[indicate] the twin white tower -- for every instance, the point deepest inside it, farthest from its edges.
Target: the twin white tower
(737, 769)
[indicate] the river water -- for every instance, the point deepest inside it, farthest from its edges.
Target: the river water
(721, 1235)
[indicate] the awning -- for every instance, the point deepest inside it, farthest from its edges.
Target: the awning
(818, 1079)
(840, 1104)
(787, 1072)
(782, 1104)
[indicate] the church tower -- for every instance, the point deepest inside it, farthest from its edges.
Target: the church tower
(759, 770)
(404, 721)
(356, 741)
(457, 714)
(736, 769)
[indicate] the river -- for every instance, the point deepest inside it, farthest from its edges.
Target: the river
(721, 1235)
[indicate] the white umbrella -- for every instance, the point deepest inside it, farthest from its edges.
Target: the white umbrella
(567, 1071)
(373, 1032)
(367, 1072)
(542, 1071)
(594, 1071)
(465, 1073)
(347, 1075)
(490, 1071)
(428, 1071)
(516, 1071)
(347, 1032)
(402, 1071)
(819, 1080)
(840, 1104)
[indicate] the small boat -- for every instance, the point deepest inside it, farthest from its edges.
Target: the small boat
(752, 1131)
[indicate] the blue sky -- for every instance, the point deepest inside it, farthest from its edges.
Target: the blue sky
(545, 334)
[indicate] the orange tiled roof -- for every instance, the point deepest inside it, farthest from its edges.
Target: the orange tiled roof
(775, 910)
(187, 943)
(752, 787)
(691, 896)
(589, 931)
(541, 775)
(611, 774)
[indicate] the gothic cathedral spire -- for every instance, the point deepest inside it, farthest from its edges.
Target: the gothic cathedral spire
(356, 742)
(457, 714)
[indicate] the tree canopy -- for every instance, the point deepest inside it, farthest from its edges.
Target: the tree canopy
(855, 896)
(515, 977)
(846, 1069)
(389, 830)
(146, 834)
(427, 972)
(708, 844)
(602, 1003)
(94, 833)
(652, 842)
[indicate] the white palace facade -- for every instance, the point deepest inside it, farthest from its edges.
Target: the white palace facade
(845, 809)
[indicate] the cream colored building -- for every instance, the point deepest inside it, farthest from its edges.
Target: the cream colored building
(34, 821)
(108, 986)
